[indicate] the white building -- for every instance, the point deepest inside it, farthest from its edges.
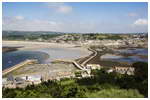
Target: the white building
(93, 66)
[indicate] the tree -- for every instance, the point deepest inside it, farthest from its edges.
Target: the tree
(141, 74)
(141, 70)
(115, 93)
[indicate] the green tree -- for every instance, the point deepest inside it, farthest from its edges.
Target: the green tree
(141, 70)
(115, 93)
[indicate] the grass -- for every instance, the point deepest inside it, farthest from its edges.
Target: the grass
(115, 93)
(67, 82)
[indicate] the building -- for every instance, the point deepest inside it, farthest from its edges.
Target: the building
(124, 70)
(93, 66)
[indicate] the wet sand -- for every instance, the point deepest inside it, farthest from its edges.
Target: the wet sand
(28, 45)
(51, 68)
(55, 50)
(8, 49)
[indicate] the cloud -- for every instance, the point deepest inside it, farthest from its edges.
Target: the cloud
(60, 7)
(139, 25)
(22, 24)
(65, 9)
(141, 22)
(19, 17)
(14, 23)
(132, 14)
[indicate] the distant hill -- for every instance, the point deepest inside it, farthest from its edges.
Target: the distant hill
(50, 32)
(7, 33)
(47, 35)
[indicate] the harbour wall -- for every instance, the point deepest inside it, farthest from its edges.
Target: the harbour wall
(28, 61)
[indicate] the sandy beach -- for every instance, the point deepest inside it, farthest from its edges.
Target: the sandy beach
(54, 50)
(28, 45)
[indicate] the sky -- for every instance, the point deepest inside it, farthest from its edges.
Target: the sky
(105, 17)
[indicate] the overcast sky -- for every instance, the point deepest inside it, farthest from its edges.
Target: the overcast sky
(76, 17)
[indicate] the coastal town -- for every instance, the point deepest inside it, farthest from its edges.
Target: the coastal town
(31, 72)
(75, 49)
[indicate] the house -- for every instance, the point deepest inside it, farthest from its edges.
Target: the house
(35, 79)
(123, 70)
(93, 66)
(109, 70)
(19, 80)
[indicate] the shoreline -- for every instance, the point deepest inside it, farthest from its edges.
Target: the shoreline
(15, 67)
(91, 56)
(32, 45)
(9, 49)
(28, 45)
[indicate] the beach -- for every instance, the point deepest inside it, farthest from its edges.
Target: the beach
(54, 50)
(29, 45)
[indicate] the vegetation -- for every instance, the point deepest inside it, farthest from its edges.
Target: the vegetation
(39, 36)
(103, 36)
(78, 74)
(101, 84)
(141, 70)
(31, 37)
(141, 77)
(44, 36)
(113, 93)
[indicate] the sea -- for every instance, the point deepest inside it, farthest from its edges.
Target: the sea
(128, 59)
(44, 55)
